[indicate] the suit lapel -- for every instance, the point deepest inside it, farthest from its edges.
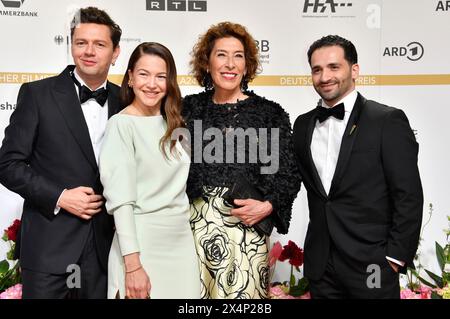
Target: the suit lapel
(351, 131)
(68, 103)
(313, 169)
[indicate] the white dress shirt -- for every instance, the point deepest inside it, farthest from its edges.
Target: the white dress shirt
(96, 117)
(326, 144)
(326, 141)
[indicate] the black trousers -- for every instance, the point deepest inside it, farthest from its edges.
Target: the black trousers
(345, 279)
(85, 280)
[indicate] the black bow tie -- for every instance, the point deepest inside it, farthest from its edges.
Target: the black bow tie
(100, 95)
(338, 111)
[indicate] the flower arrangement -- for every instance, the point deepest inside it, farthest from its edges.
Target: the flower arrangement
(419, 288)
(10, 276)
(288, 289)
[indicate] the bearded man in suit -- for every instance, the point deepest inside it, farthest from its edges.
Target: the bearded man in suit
(358, 161)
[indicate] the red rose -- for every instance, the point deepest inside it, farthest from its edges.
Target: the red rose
(12, 230)
(292, 252)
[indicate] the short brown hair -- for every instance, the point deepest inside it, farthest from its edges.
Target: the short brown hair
(95, 15)
(202, 49)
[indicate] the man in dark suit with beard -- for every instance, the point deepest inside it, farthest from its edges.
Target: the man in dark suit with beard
(49, 157)
(358, 160)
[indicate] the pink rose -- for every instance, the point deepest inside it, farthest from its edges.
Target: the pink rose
(305, 296)
(408, 294)
(276, 292)
(425, 292)
(287, 297)
(14, 292)
(275, 253)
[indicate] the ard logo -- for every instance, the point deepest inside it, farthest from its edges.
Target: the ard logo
(413, 51)
(443, 6)
(12, 3)
(176, 5)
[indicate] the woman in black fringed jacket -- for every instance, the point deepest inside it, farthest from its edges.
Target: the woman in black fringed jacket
(240, 141)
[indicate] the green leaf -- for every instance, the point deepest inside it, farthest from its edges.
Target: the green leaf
(440, 256)
(435, 295)
(5, 280)
(5, 236)
(292, 282)
(425, 282)
(301, 288)
(10, 255)
(4, 266)
(438, 280)
(422, 280)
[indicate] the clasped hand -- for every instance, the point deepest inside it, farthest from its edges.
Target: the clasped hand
(251, 211)
(81, 201)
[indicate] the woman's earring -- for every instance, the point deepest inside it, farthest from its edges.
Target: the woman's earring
(207, 82)
(244, 84)
(130, 84)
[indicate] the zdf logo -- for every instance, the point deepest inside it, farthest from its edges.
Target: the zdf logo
(413, 51)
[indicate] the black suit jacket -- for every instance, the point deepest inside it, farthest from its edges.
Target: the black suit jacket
(46, 149)
(374, 207)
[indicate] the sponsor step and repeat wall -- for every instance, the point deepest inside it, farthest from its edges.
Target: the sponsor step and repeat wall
(403, 55)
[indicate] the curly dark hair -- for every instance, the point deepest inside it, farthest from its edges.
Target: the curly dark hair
(202, 50)
(350, 53)
(95, 15)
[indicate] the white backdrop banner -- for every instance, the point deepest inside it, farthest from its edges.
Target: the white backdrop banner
(402, 55)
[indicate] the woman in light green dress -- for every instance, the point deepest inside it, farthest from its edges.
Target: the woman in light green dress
(144, 174)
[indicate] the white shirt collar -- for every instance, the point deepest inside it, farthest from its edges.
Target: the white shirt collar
(78, 77)
(349, 101)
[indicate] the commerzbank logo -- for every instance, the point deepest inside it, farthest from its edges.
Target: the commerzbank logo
(14, 5)
(177, 5)
(325, 8)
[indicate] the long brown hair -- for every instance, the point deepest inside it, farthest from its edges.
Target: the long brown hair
(171, 103)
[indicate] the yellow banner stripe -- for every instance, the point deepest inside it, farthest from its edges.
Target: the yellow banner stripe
(19, 77)
(265, 80)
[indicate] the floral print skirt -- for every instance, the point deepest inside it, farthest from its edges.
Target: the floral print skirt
(233, 257)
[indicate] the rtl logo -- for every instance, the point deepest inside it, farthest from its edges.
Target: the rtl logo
(176, 5)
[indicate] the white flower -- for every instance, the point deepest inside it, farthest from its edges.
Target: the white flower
(447, 268)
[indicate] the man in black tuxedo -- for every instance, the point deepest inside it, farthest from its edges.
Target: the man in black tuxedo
(358, 160)
(49, 157)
